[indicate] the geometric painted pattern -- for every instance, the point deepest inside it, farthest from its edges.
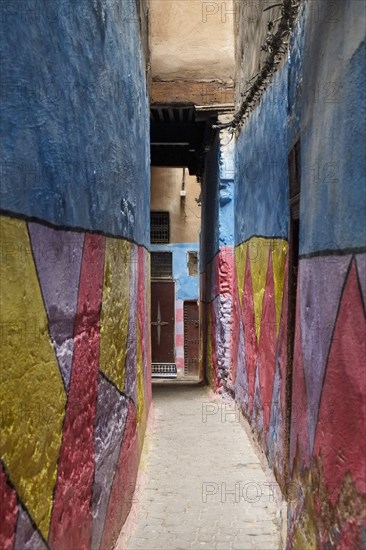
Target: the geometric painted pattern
(27, 537)
(71, 523)
(130, 369)
(57, 255)
(115, 311)
(328, 410)
(71, 377)
(258, 252)
(110, 422)
(321, 283)
(8, 511)
(342, 415)
(240, 263)
(335, 462)
(255, 326)
(32, 391)
(267, 346)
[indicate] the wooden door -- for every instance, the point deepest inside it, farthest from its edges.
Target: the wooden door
(191, 338)
(162, 321)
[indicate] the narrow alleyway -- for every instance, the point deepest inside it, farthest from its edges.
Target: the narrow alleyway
(204, 487)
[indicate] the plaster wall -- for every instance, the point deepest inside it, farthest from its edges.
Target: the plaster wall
(62, 122)
(192, 40)
(184, 212)
(329, 349)
(251, 20)
(75, 280)
(309, 430)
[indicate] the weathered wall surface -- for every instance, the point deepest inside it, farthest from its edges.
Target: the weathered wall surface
(199, 37)
(217, 262)
(192, 52)
(261, 230)
(251, 20)
(75, 342)
(318, 453)
(327, 451)
(67, 122)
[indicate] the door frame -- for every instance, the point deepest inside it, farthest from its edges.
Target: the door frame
(173, 283)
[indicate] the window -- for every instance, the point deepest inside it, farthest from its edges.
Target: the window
(159, 227)
(161, 265)
(192, 264)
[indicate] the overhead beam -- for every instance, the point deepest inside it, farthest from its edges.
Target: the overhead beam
(161, 132)
(177, 157)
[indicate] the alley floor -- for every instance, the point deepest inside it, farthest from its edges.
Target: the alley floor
(203, 485)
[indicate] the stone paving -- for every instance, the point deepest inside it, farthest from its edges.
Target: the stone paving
(205, 487)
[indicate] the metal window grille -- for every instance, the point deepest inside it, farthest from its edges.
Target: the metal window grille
(192, 264)
(161, 265)
(159, 227)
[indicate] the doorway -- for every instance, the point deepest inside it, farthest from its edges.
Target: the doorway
(163, 329)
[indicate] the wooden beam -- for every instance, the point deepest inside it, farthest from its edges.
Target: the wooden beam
(177, 157)
(192, 91)
(180, 132)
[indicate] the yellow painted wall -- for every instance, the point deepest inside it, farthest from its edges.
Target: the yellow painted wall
(32, 393)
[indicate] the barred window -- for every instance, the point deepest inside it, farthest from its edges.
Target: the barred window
(159, 227)
(161, 265)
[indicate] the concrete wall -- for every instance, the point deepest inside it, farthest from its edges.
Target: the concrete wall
(311, 427)
(75, 341)
(192, 40)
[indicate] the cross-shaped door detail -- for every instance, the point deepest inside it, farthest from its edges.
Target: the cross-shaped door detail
(159, 323)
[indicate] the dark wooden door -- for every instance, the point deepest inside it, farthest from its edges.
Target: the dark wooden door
(162, 321)
(191, 338)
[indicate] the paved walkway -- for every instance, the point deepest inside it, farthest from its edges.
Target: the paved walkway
(205, 487)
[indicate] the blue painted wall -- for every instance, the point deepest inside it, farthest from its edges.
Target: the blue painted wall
(186, 287)
(217, 228)
(210, 189)
(226, 189)
(333, 202)
(318, 96)
(74, 115)
(320, 99)
(261, 198)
